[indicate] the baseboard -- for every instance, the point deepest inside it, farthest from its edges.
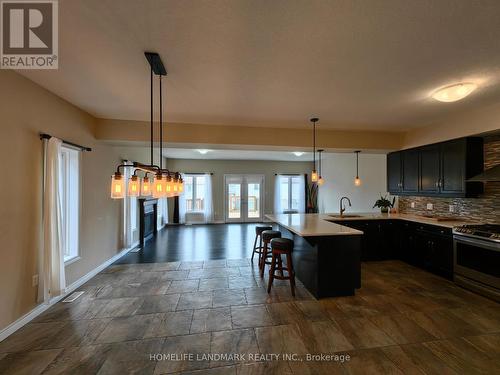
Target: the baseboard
(39, 309)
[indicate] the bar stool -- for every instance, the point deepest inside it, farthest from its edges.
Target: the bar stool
(267, 236)
(258, 236)
(279, 247)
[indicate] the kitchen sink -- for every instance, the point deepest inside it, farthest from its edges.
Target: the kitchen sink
(337, 216)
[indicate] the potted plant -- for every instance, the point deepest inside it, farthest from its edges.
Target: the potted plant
(383, 203)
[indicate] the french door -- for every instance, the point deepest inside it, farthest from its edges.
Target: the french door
(244, 198)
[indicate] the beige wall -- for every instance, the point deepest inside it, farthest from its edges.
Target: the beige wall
(26, 109)
(221, 167)
(480, 120)
(138, 131)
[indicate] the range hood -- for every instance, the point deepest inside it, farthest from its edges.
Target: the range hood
(492, 174)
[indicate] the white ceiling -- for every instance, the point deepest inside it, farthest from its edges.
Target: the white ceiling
(355, 64)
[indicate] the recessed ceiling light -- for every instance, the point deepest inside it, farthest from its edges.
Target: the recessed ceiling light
(203, 152)
(455, 92)
(298, 153)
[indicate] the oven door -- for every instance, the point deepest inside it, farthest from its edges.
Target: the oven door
(478, 261)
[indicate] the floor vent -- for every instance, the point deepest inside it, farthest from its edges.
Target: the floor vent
(72, 297)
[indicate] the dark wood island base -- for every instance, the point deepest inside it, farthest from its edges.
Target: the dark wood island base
(328, 266)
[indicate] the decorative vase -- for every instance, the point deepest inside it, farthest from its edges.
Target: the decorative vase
(384, 210)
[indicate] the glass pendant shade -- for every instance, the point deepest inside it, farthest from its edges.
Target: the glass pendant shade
(181, 186)
(117, 186)
(159, 187)
(134, 186)
(321, 181)
(146, 187)
(357, 181)
(314, 176)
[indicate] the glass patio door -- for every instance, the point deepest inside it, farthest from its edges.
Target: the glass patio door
(243, 196)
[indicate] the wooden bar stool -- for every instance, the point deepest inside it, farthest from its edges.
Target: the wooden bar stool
(267, 236)
(279, 247)
(258, 237)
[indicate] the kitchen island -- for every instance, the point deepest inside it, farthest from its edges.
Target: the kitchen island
(326, 256)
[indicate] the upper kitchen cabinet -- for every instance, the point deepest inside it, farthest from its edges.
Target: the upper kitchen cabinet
(410, 171)
(439, 169)
(430, 167)
(394, 172)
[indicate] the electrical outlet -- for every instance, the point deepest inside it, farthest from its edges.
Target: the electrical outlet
(430, 206)
(34, 280)
(412, 204)
(451, 208)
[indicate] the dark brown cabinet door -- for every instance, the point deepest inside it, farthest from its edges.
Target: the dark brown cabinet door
(430, 169)
(410, 171)
(394, 172)
(453, 167)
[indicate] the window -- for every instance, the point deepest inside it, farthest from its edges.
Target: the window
(194, 193)
(290, 193)
(69, 190)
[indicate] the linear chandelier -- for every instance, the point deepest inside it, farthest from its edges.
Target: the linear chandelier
(157, 181)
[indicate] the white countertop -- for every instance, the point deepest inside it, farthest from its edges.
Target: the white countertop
(309, 225)
(408, 217)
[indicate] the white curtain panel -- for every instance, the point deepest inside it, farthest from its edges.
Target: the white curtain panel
(278, 206)
(52, 281)
(182, 206)
(209, 199)
(302, 195)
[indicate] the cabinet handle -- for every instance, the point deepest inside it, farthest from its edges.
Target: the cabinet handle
(437, 183)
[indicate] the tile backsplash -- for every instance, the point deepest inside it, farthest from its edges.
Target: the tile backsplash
(485, 208)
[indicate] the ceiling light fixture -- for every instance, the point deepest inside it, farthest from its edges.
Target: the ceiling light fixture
(320, 179)
(203, 152)
(314, 173)
(165, 182)
(454, 92)
(298, 153)
(357, 180)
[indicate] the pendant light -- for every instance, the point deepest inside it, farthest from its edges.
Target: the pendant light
(163, 184)
(314, 173)
(146, 186)
(357, 180)
(321, 181)
(134, 186)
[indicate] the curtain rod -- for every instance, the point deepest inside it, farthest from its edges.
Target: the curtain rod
(199, 173)
(83, 148)
(288, 174)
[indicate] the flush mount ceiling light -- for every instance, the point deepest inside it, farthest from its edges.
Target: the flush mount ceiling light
(454, 92)
(203, 152)
(158, 181)
(314, 173)
(298, 153)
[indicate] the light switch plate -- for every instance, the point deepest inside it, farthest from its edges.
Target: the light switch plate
(451, 208)
(34, 280)
(430, 206)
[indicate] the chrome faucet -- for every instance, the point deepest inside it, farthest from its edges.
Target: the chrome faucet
(342, 209)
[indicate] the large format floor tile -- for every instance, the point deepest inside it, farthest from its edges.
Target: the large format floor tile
(131, 316)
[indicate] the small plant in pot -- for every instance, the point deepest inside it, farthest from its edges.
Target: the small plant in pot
(384, 204)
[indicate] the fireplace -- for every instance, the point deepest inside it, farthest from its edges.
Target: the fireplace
(148, 215)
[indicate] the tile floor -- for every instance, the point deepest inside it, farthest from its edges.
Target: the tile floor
(402, 321)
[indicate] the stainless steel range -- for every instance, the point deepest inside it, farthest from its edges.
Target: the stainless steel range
(477, 258)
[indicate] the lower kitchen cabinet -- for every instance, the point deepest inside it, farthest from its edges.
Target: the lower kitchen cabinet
(426, 246)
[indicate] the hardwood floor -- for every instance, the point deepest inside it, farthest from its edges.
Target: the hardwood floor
(403, 321)
(197, 242)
